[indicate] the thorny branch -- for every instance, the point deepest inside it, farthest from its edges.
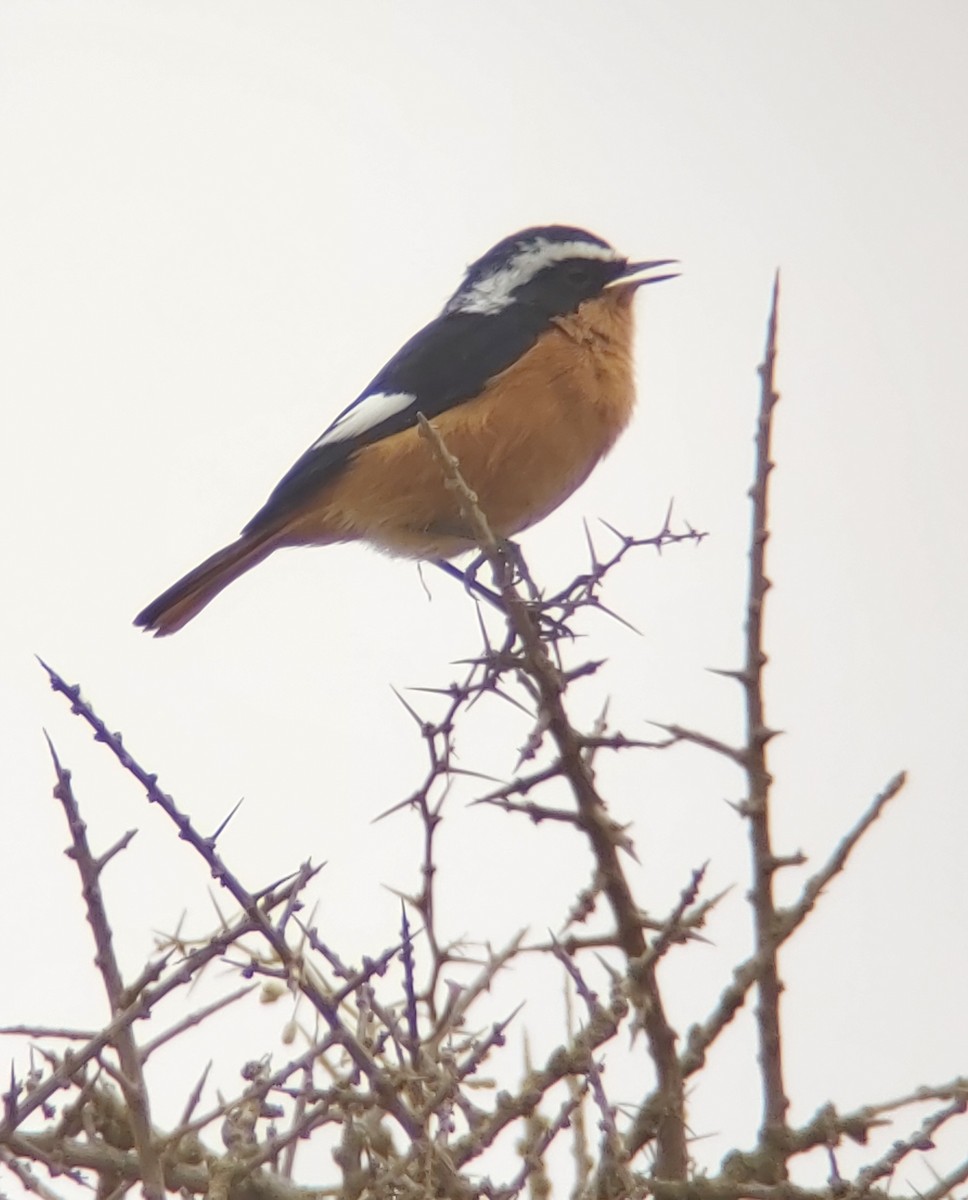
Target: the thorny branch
(398, 1062)
(132, 1076)
(205, 847)
(549, 686)
(757, 807)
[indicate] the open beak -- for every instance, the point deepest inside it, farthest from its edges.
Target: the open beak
(631, 271)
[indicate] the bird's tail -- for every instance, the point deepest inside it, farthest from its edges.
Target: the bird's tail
(186, 598)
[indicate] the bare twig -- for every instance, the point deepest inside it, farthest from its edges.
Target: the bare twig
(146, 993)
(131, 1075)
(794, 916)
(920, 1139)
(947, 1183)
(757, 808)
(205, 847)
(672, 1155)
(28, 1180)
(194, 1018)
(745, 975)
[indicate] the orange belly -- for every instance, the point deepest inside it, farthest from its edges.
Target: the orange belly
(523, 445)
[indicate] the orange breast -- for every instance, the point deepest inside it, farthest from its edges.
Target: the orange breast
(524, 445)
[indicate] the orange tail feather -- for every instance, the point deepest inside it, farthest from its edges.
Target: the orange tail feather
(186, 598)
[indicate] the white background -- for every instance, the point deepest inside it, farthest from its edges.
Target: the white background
(217, 220)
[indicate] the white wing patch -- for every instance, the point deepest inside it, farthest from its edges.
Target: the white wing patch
(495, 291)
(363, 414)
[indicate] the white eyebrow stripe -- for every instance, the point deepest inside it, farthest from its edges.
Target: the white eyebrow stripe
(363, 415)
(494, 292)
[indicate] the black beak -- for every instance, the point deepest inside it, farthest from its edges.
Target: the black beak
(627, 278)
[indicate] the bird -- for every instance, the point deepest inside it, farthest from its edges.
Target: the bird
(526, 375)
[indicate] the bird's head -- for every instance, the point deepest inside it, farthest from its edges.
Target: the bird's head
(551, 268)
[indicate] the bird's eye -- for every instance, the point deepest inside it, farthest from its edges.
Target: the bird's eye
(577, 273)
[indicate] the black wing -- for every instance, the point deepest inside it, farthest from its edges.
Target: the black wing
(447, 363)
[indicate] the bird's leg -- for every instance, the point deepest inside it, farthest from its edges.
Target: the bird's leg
(514, 560)
(512, 552)
(469, 580)
(511, 559)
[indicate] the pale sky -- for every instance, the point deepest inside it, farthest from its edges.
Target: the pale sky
(219, 219)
